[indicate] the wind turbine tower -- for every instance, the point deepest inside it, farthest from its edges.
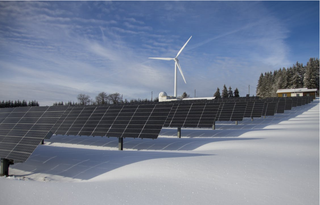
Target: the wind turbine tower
(176, 65)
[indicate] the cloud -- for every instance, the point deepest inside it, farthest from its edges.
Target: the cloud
(62, 48)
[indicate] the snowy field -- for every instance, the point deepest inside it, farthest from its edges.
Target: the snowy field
(272, 160)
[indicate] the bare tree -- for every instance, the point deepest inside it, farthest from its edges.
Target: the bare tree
(115, 98)
(83, 99)
(102, 98)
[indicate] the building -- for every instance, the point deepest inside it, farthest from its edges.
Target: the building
(296, 92)
(163, 97)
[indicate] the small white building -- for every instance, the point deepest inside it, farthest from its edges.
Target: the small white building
(296, 92)
(163, 97)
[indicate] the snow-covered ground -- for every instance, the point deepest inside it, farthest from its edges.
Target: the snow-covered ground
(266, 161)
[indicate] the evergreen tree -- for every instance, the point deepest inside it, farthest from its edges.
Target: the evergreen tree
(283, 79)
(224, 92)
(217, 94)
(289, 76)
(230, 92)
(311, 76)
(236, 93)
(297, 76)
(259, 90)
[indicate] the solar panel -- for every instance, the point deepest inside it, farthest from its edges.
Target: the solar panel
(194, 115)
(154, 122)
(299, 101)
(270, 108)
(288, 104)
(249, 109)
(238, 111)
(60, 127)
(23, 128)
(180, 115)
(209, 115)
(257, 109)
(281, 106)
(92, 121)
(226, 111)
(122, 117)
(303, 101)
(22, 131)
(171, 115)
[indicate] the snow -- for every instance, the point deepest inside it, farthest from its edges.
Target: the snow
(272, 160)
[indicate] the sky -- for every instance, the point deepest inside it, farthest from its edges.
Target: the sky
(53, 51)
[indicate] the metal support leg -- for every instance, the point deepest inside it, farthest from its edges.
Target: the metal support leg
(179, 132)
(236, 122)
(251, 118)
(5, 167)
(120, 144)
(214, 125)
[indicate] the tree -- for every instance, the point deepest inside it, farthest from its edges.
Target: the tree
(311, 76)
(185, 95)
(115, 98)
(230, 93)
(260, 88)
(297, 77)
(224, 92)
(236, 93)
(83, 99)
(217, 94)
(283, 79)
(102, 98)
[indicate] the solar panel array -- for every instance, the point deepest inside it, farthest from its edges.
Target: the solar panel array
(194, 115)
(23, 128)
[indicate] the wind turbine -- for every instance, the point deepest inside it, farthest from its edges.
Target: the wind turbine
(176, 64)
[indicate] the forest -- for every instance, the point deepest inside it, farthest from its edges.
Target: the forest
(297, 76)
(18, 103)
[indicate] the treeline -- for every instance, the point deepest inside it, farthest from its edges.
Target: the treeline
(297, 76)
(103, 99)
(18, 103)
(226, 93)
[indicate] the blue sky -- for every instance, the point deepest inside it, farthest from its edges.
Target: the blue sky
(53, 51)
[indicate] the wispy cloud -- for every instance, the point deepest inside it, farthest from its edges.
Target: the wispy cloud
(73, 47)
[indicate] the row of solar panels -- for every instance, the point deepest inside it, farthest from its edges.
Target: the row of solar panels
(23, 128)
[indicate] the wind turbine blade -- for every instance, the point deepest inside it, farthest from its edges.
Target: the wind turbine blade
(181, 72)
(183, 47)
(166, 59)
